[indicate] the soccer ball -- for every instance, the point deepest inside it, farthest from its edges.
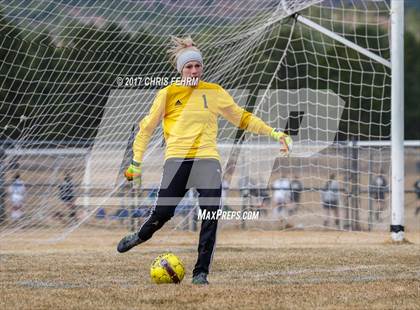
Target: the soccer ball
(167, 268)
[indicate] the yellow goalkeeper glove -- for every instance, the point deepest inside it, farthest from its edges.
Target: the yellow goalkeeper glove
(133, 173)
(284, 139)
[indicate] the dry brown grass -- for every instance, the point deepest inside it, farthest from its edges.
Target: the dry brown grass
(251, 270)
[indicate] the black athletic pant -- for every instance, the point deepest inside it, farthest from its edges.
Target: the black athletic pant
(179, 175)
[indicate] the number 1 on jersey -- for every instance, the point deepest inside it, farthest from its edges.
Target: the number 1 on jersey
(205, 102)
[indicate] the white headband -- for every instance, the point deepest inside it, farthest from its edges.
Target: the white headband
(188, 56)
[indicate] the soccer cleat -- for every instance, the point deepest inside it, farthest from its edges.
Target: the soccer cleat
(128, 242)
(200, 279)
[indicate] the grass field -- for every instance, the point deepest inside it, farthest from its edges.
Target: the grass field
(251, 270)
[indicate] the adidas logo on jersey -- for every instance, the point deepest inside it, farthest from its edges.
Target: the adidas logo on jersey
(178, 102)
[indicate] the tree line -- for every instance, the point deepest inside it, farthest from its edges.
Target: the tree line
(62, 83)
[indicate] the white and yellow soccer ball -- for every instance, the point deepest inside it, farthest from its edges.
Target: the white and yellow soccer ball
(167, 268)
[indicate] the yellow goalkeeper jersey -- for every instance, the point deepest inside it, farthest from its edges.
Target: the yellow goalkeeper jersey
(189, 119)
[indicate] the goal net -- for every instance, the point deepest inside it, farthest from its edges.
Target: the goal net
(77, 77)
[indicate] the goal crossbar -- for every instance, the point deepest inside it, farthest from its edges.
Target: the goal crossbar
(342, 40)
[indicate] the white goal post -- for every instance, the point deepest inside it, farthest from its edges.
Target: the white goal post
(397, 116)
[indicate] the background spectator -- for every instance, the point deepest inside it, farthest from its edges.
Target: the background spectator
(67, 196)
(417, 190)
(17, 192)
(281, 194)
(377, 190)
(330, 198)
(296, 190)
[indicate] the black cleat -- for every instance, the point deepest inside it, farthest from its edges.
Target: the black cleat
(200, 279)
(128, 242)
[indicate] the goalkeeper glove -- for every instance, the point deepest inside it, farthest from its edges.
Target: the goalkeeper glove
(133, 172)
(284, 139)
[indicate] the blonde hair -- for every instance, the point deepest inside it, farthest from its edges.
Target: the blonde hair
(180, 45)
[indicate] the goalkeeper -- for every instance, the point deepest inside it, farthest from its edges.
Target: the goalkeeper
(189, 115)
